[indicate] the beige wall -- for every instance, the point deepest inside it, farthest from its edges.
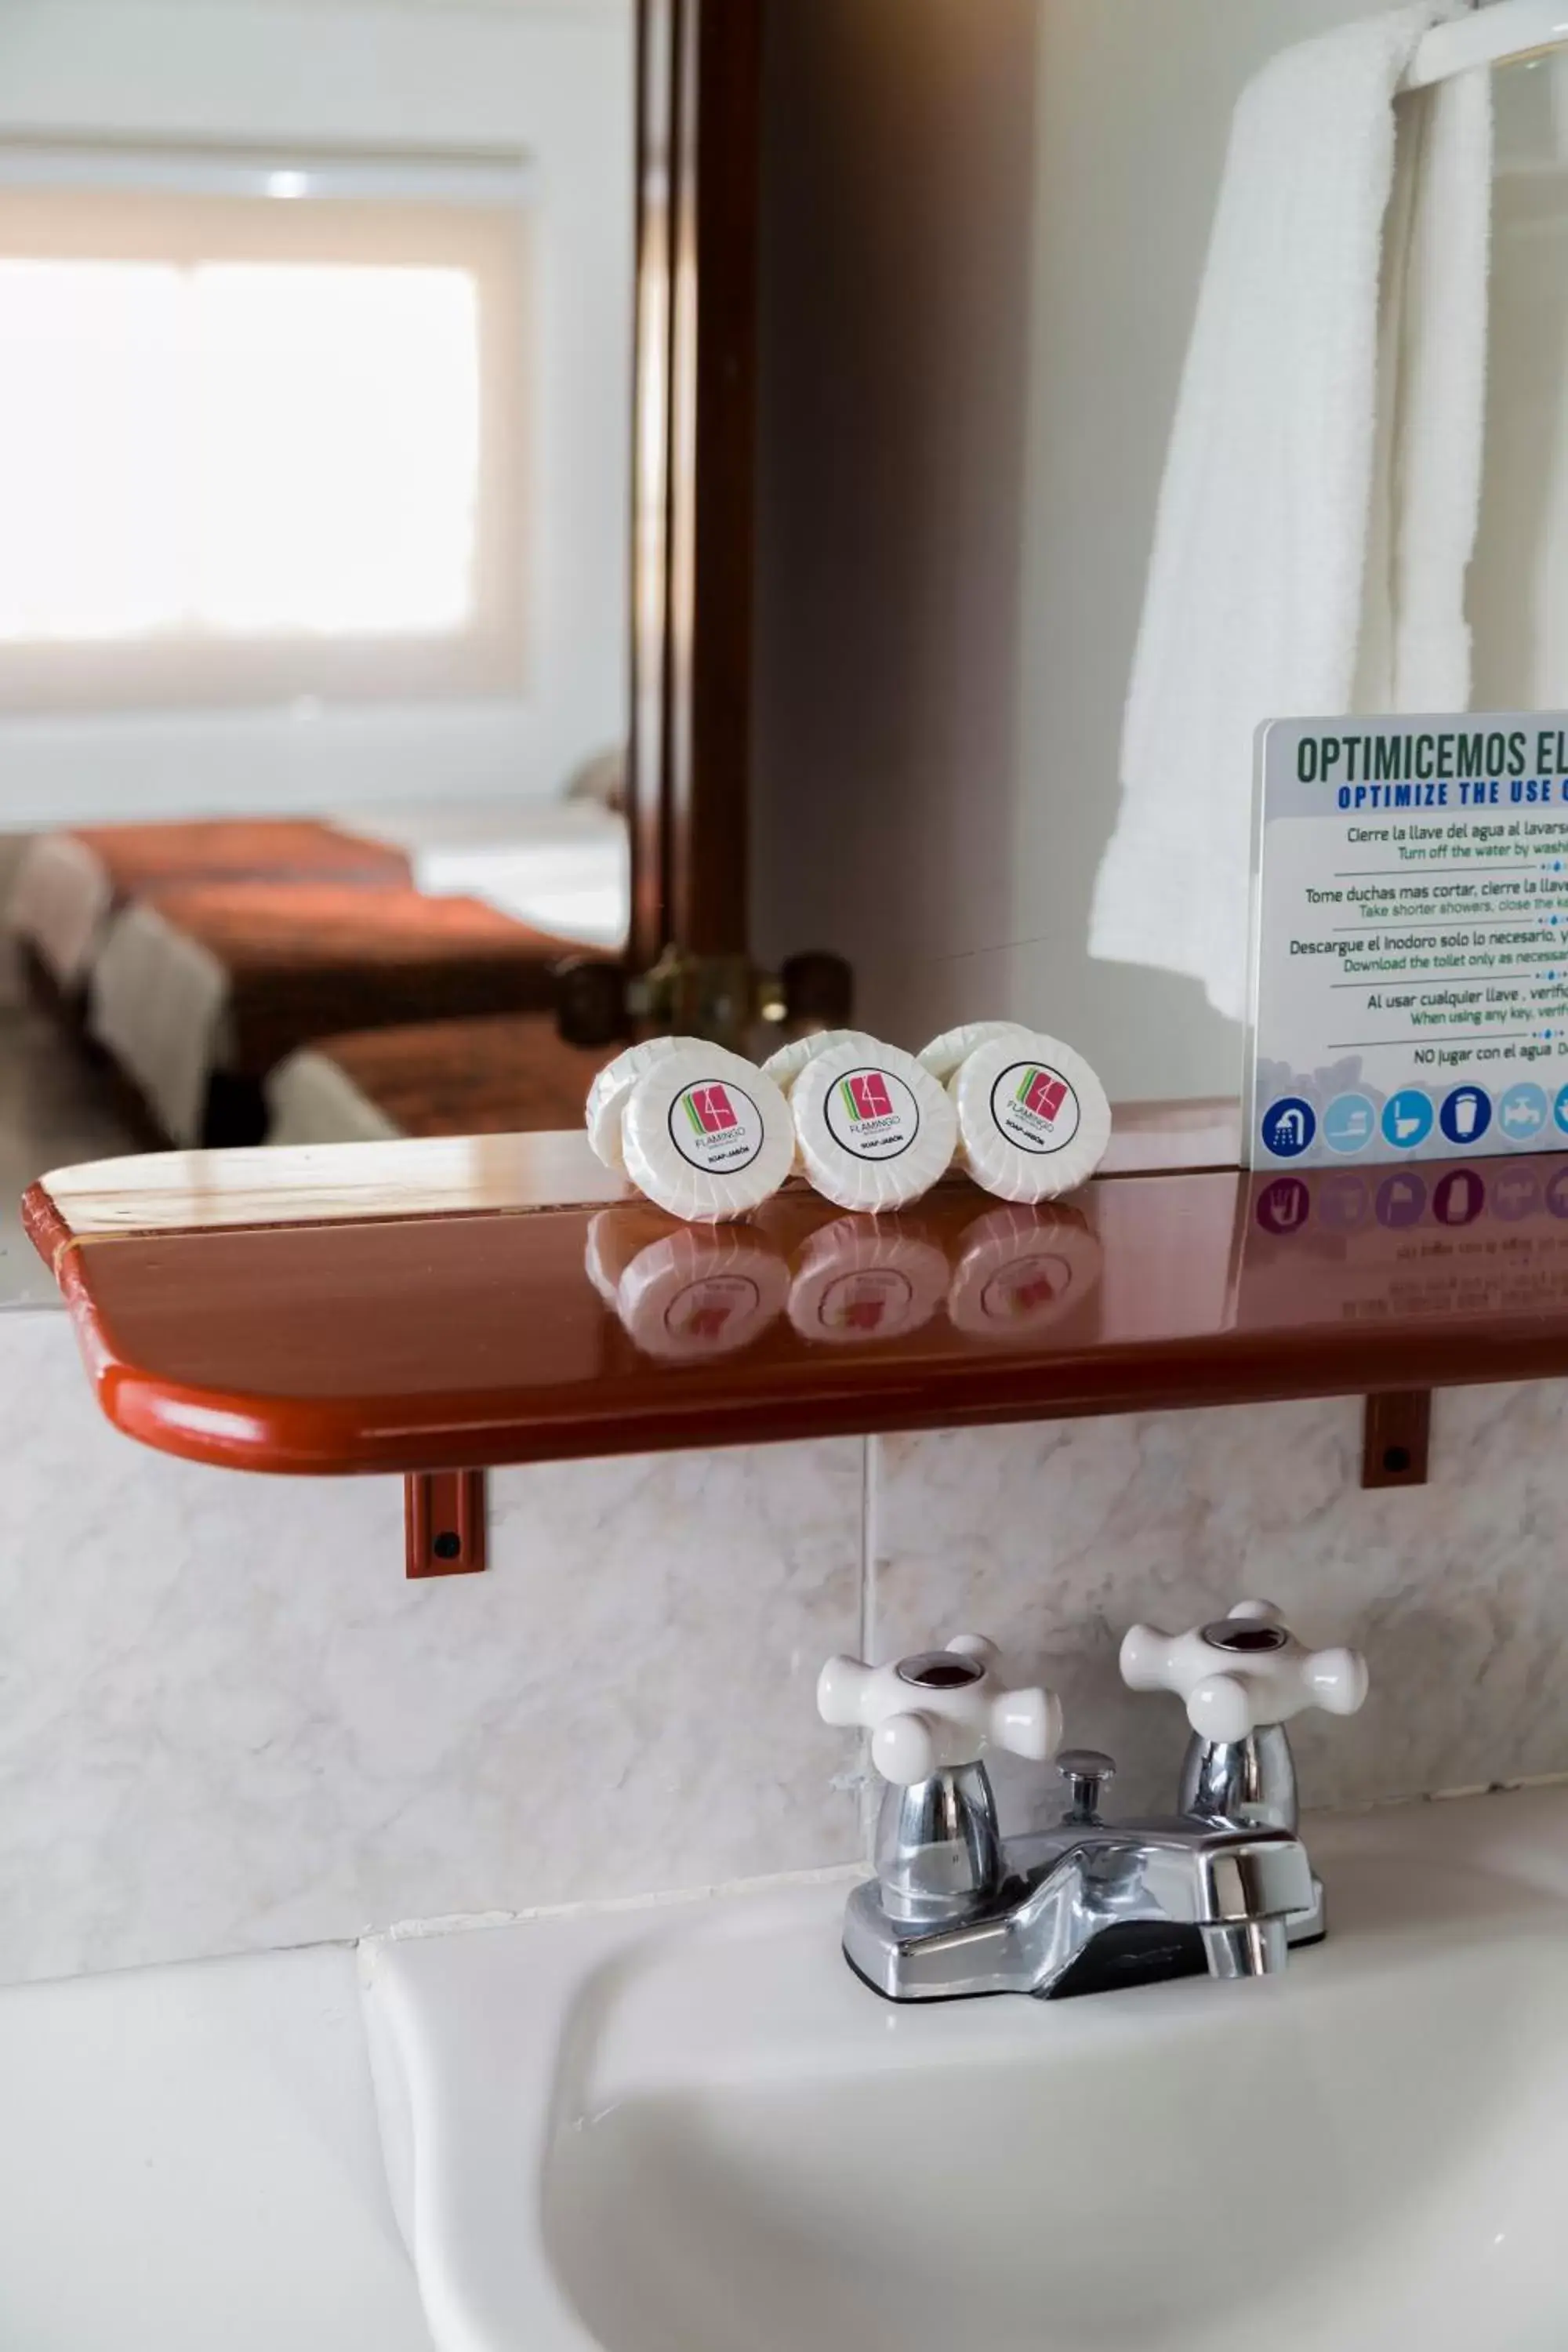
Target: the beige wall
(986, 232)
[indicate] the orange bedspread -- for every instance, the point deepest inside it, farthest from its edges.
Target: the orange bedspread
(142, 857)
(506, 1074)
(307, 959)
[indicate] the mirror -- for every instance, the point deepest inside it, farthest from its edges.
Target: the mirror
(315, 336)
(325, 448)
(982, 250)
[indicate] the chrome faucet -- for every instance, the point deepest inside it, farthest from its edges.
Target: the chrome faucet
(954, 1910)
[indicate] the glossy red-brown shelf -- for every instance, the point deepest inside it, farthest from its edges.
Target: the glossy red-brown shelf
(407, 1305)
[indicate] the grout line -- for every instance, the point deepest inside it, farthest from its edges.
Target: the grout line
(868, 1532)
(870, 1792)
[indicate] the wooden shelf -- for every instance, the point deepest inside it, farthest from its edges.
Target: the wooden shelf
(447, 1305)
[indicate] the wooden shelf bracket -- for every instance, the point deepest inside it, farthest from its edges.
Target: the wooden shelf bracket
(1396, 1435)
(446, 1518)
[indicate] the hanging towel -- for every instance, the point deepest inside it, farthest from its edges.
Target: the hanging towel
(1321, 486)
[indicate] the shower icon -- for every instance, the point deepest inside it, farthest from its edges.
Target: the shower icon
(1288, 1126)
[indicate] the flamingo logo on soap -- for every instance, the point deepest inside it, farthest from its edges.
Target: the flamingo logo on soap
(866, 1095)
(709, 1109)
(1043, 1093)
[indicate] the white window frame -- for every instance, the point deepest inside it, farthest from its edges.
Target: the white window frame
(543, 84)
(190, 209)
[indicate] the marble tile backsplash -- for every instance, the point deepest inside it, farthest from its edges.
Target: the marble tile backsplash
(227, 1722)
(1053, 1538)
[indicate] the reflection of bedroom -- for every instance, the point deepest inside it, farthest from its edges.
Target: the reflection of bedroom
(313, 578)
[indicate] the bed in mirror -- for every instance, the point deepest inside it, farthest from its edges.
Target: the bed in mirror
(313, 456)
(811, 348)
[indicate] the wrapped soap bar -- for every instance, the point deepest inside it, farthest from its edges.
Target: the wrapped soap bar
(612, 1090)
(944, 1054)
(784, 1066)
(1033, 1119)
(875, 1129)
(705, 1134)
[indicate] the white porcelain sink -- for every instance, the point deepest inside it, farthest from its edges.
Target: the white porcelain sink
(687, 2128)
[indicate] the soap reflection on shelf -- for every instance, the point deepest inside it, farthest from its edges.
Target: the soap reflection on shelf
(688, 1292)
(701, 1293)
(1020, 1270)
(861, 1278)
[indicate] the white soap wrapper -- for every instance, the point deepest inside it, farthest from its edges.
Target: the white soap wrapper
(611, 1091)
(944, 1053)
(1033, 1117)
(705, 1134)
(875, 1129)
(784, 1066)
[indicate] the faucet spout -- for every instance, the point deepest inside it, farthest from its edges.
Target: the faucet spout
(1258, 1947)
(1226, 1878)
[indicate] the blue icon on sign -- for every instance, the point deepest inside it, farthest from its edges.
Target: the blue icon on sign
(1408, 1118)
(1349, 1123)
(1521, 1113)
(1465, 1114)
(1400, 1201)
(1288, 1126)
(1560, 1108)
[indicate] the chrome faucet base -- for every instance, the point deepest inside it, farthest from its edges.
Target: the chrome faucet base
(1098, 1903)
(1223, 1886)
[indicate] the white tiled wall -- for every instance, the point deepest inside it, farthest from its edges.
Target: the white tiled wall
(1054, 1539)
(228, 1722)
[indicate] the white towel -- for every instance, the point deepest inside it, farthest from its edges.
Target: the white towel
(1321, 488)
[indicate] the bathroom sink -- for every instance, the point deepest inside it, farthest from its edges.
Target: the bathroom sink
(687, 2128)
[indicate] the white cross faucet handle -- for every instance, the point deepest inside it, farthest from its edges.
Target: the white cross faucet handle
(1242, 1670)
(939, 1710)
